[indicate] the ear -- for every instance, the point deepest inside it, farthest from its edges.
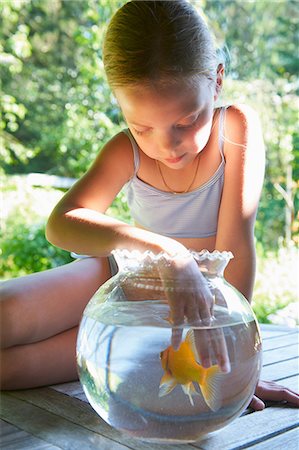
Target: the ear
(219, 80)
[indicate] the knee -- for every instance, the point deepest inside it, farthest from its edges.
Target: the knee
(10, 370)
(11, 317)
(7, 371)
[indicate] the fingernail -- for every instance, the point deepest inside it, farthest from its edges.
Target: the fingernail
(206, 363)
(206, 322)
(226, 367)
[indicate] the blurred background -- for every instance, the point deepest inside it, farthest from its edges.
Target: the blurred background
(56, 112)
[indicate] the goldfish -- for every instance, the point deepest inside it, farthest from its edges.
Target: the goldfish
(181, 367)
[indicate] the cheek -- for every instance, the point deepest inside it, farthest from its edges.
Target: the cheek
(146, 146)
(199, 139)
(201, 136)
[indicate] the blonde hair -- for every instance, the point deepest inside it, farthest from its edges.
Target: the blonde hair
(155, 41)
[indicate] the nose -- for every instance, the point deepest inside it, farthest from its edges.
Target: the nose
(169, 143)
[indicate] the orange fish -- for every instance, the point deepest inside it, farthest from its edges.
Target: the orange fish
(181, 367)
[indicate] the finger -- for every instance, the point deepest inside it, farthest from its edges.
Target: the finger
(257, 404)
(220, 350)
(212, 307)
(204, 313)
(219, 297)
(203, 346)
(176, 337)
(176, 308)
(204, 303)
(192, 313)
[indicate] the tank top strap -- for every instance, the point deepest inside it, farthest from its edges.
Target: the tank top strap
(221, 130)
(135, 150)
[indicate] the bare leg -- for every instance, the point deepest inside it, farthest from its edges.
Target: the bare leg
(42, 363)
(37, 310)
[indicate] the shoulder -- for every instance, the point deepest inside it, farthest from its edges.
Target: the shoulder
(118, 152)
(242, 112)
(242, 130)
(241, 121)
(119, 144)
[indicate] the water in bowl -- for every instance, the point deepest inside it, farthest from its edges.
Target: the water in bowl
(119, 363)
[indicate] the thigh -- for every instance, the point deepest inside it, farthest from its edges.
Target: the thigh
(50, 361)
(43, 304)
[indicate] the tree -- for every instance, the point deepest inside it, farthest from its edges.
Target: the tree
(57, 101)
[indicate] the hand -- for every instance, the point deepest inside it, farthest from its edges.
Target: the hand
(186, 290)
(211, 348)
(189, 295)
(270, 391)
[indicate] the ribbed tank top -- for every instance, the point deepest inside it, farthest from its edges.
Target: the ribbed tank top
(192, 214)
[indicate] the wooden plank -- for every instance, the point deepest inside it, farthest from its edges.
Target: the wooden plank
(52, 428)
(12, 438)
(81, 413)
(273, 356)
(77, 412)
(289, 440)
(281, 370)
(280, 342)
(252, 428)
(72, 389)
(269, 328)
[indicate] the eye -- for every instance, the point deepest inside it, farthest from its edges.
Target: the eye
(138, 132)
(190, 122)
(141, 132)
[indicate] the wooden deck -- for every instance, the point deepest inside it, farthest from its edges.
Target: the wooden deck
(59, 417)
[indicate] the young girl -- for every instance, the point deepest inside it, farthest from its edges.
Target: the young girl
(193, 174)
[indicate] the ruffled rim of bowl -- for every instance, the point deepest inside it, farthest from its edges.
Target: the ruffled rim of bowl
(203, 255)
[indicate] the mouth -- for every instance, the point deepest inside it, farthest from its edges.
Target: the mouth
(174, 160)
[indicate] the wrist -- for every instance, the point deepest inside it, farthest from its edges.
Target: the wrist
(171, 248)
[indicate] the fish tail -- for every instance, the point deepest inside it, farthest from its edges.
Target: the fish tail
(210, 386)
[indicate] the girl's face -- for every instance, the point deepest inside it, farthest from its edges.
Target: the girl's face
(171, 124)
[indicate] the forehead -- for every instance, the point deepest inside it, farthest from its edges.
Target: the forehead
(147, 103)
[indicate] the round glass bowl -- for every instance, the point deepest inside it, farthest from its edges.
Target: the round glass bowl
(133, 377)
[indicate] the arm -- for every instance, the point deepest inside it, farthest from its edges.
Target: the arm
(244, 174)
(78, 223)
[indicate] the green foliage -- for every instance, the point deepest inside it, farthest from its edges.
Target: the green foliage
(276, 284)
(25, 250)
(23, 246)
(57, 105)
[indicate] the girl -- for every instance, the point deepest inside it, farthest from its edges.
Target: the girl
(193, 174)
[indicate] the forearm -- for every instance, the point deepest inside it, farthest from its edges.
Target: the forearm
(240, 272)
(86, 231)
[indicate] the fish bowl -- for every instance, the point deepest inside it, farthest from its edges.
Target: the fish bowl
(141, 384)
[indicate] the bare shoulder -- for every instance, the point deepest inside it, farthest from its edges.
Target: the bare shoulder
(118, 148)
(242, 124)
(242, 130)
(242, 111)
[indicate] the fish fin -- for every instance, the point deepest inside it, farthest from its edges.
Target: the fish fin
(211, 388)
(167, 384)
(190, 339)
(190, 390)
